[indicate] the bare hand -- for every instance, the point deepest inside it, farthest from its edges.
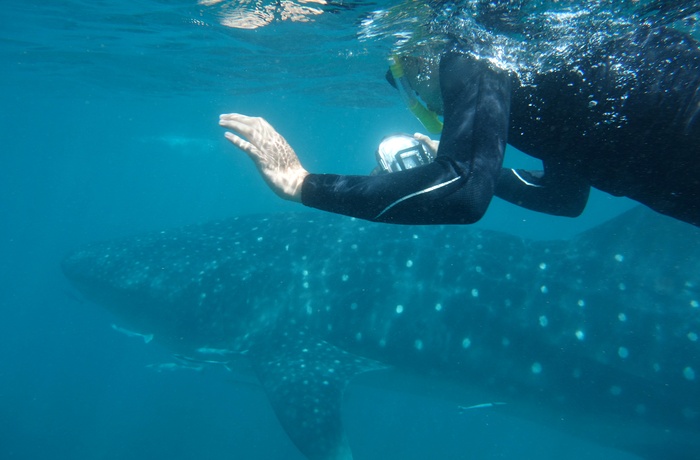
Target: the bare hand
(274, 157)
(431, 144)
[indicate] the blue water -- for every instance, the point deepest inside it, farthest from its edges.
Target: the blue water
(109, 127)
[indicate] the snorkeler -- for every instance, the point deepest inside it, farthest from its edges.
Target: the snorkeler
(635, 134)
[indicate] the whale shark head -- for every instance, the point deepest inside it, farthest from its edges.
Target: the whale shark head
(159, 283)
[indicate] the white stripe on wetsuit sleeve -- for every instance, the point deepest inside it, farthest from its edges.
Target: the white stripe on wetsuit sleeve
(523, 180)
(427, 190)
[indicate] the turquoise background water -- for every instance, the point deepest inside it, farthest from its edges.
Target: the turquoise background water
(109, 127)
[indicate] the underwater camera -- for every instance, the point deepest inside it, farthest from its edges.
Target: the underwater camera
(400, 152)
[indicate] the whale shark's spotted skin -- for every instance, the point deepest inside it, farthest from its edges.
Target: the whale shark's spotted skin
(601, 331)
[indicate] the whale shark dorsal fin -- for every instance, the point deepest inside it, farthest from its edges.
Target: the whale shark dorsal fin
(304, 380)
(638, 226)
(638, 243)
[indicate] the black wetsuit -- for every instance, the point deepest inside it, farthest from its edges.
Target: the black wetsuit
(634, 135)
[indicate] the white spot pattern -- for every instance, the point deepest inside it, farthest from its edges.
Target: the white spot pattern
(689, 373)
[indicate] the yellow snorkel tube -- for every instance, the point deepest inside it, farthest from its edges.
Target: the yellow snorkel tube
(427, 117)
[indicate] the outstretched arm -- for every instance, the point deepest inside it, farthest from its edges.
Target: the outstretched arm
(455, 189)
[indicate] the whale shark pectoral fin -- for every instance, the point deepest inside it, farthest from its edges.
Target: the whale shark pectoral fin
(304, 381)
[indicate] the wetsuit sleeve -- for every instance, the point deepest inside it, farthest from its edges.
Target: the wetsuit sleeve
(458, 186)
(556, 190)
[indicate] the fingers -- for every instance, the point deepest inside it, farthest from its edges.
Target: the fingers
(235, 117)
(239, 142)
(258, 132)
(421, 137)
(274, 157)
(241, 124)
(431, 144)
(244, 126)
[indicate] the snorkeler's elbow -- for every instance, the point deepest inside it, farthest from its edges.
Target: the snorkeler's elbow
(579, 201)
(573, 207)
(474, 212)
(571, 212)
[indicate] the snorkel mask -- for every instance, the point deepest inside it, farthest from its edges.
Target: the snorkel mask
(400, 152)
(427, 117)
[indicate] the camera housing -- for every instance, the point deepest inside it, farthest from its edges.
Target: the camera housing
(399, 152)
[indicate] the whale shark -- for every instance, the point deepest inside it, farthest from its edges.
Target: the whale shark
(596, 336)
